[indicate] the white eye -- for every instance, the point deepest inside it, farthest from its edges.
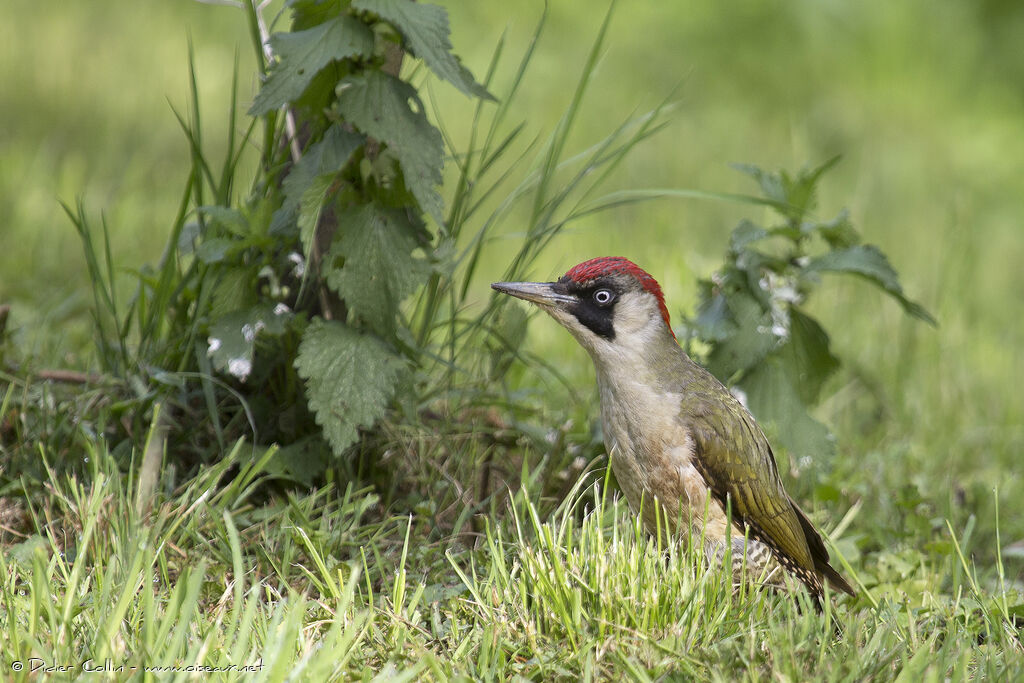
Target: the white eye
(603, 297)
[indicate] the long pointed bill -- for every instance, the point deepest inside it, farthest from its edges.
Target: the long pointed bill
(541, 293)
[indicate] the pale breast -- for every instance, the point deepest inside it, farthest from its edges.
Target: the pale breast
(652, 457)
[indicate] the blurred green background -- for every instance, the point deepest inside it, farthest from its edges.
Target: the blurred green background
(924, 100)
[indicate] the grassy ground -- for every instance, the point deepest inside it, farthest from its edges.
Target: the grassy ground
(922, 500)
(329, 585)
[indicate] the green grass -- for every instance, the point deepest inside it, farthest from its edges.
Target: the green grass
(329, 585)
(444, 575)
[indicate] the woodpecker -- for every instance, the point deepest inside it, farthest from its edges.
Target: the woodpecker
(675, 435)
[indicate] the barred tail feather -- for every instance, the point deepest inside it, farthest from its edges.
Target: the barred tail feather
(820, 554)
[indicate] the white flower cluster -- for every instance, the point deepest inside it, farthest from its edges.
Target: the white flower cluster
(782, 292)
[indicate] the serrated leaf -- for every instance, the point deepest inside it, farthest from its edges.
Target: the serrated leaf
(379, 105)
(259, 212)
(751, 267)
(801, 192)
(376, 244)
(770, 183)
(231, 339)
(328, 156)
(745, 234)
(307, 184)
(304, 460)
(714, 321)
(773, 398)
(806, 356)
(866, 260)
(350, 379)
(751, 341)
(792, 197)
(285, 221)
(426, 30)
(311, 205)
(302, 54)
(214, 250)
(870, 263)
(307, 13)
(232, 290)
(230, 219)
(839, 233)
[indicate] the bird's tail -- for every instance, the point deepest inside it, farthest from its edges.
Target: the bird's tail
(819, 554)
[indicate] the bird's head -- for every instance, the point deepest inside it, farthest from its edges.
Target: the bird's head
(610, 304)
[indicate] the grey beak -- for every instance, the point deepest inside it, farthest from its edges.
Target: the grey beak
(540, 293)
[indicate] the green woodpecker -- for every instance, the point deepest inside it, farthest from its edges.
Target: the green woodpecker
(676, 436)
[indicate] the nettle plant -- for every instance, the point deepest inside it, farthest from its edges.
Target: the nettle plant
(755, 333)
(352, 167)
(340, 285)
(284, 307)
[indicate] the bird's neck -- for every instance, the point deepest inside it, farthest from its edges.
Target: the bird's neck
(652, 364)
(641, 390)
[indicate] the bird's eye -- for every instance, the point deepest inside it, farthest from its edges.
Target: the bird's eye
(603, 297)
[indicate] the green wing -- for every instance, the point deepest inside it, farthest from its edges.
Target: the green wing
(733, 456)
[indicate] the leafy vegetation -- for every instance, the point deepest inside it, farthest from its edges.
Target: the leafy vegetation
(751, 315)
(307, 273)
(464, 536)
(291, 303)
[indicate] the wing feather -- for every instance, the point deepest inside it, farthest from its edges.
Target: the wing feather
(734, 457)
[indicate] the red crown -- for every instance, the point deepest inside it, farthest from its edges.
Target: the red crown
(607, 265)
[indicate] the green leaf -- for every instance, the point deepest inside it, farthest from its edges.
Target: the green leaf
(870, 263)
(327, 157)
(304, 460)
(792, 197)
(259, 212)
(751, 267)
(425, 29)
(751, 341)
(806, 357)
(302, 54)
(771, 184)
(311, 205)
(231, 340)
(773, 398)
(714, 321)
(215, 249)
(285, 221)
(379, 105)
(230, 219)
(309, 13)
(189, 237)
(839, 233)
(233, 289)
(350, 379)
(380, 271)
(745, 234)
(801, 192)
(309, 181)
(21, 554)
